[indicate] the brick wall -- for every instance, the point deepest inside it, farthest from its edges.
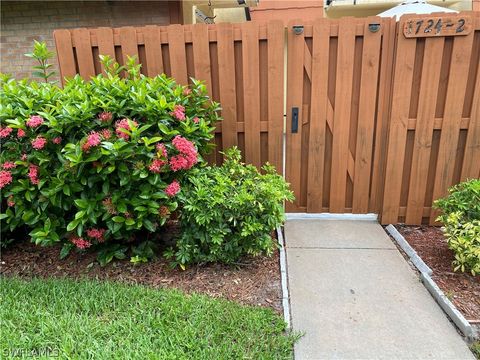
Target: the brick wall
(25, 21)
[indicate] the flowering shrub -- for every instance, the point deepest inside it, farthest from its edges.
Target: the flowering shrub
(229, 211)
(99, 161)
(461, 220)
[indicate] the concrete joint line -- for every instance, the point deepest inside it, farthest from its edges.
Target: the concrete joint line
(329, 216)
(284, 278)
(431, 286)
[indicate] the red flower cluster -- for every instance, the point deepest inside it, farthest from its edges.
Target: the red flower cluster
(106, 134)
(188, 154)
(93, 139)
(156, 165)
(7, 165)
(39, 143)
(108, 204)
(123, 124)
(172, 189)
(178, 112)
(4, 132)
(20, 133)
(105, 116)
(33, 174)
(5, 178)
(80, 242)
(96, 234)
(10, 201)
(34, 121)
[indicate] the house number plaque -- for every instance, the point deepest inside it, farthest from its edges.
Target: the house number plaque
(450, 25)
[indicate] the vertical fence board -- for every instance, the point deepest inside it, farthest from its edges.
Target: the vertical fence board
(153, 50)
(366, 120)
(178, 60)
(471, 159)
(402, 88)
(343, 102)
(251, 92)
(128, 42)
(105, 43)
(226, 76)
(276, 40)
(201, 55)
(318, 114)
(295, 55)
(452, 117)
(83, 48)
(432, 62)
(66, 59)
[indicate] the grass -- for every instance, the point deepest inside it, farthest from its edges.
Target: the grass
(475, 347)
(105, 320)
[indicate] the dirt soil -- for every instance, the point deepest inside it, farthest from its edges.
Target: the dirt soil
(462, 289)
(256, 281)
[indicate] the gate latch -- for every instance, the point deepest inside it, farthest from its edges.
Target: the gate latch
(294, 120)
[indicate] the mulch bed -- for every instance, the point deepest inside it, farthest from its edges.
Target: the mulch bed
(256, 281)
(462, 289)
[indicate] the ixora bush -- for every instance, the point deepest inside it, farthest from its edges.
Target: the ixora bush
(461, 219)
(98, 162)
(229, 211)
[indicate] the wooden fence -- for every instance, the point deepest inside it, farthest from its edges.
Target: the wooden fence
(376, 121)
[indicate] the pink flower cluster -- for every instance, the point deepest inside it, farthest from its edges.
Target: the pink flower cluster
(7, 165)
(187, 157)
(39, 143)
(108, 204)
(20, 133)
(80, 242)
(105, 116)
(57, 140)
(156, 165)
(172, 189)
(106, 134)
(34, 121)
(5, 178)
(178, 112)
(5, 132)
(33, 174)
(93, 139)
(10, 201)
(96, 234)
(123, 124)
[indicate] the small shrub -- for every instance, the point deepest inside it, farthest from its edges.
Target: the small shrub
(229, 211)
(461, 219)
(99, 162)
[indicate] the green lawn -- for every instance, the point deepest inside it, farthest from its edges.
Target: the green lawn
(104, 320)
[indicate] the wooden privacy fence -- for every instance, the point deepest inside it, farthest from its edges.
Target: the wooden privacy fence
(381, 116)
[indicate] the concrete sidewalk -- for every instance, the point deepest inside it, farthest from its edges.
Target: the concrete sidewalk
(355, 296)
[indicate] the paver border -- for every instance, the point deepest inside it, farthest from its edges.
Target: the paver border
(284, 278)
(447, 306)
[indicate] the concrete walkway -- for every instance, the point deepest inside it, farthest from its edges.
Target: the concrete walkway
(355, 296)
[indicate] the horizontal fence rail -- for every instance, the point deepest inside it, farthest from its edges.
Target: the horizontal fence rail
(381, 116)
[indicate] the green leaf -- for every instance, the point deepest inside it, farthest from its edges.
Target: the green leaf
(118, 219)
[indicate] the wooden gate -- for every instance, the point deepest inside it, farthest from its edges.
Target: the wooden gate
(434, 137)
(336, 71)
